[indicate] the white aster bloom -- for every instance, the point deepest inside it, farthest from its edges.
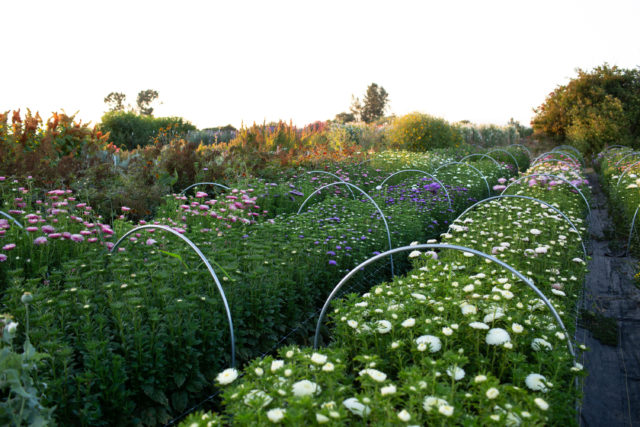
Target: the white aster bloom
(447, 331)
(227, 376)
(305, 388)
(456, 373)
(468, 309)
(355, 407)
(539, 344)
(352, 323)
(276, 415)
(328, 367)
(318, 359)
(431, 341)
(536, 382)
(404, 416)
(517, 328)
(492, 393)
(480, 378)
(419, 297)
(383, 326)
(468, 288)
(479, 325)
(374, 374)
(431, 402)
(257, 398)
(409, 322)
(276, 364)
(259, 371)
(542, 404)
(535, 231)
(497, 336)
(389, 389)
(415, 254)
(446, 410)
(321, 419)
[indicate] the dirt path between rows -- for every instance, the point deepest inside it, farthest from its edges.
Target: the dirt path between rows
(612, 387)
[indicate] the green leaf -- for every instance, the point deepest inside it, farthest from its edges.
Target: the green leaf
(171, 254)
(179, 378)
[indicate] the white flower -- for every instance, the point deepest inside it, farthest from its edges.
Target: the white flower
(390, 389)
(322, 419)
(374, 374)
(357, 408)
(541, 250)
(542, 404)
(227, 376)
(535, 231)
(431, 401)
(415, 254)
(318, 359)
(517, 328)
(497, 336)
(329, 367)
(434, 343)
(352, 323)
(409, 322)
(404, 415)
(289, 354)
(384, 326)
(480, 379)
(276, 415)
(276, 364)
(468, 288)
(479, 325)
(287, 372)
(558, 292)
(539, 344)
(305, 388)
(446, 410)
(560, 335)
(257, 398)
(419, 297)
(259, 371)
(577, 367)
(536, 382)
(492, 393)
(414, 243)
(456, 373)
(447, 331)
(468, 309)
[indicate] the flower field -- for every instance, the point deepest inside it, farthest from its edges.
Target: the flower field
(112, 322)
(458, 339)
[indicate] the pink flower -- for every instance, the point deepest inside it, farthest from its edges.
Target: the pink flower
(201, 194)
(3, 257)
(499, 187)
(47, 229)
(502, 180)
(31, 229)
(151, 241)
(55, 235)
(8, 246)
(92, 239)
(125, 209)
(76, 237)
(40, 240)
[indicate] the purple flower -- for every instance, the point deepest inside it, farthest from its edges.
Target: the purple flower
(76, 237)
(331, 253)
(40, 240)
(8, 246)
(3, 257)
(332, 262)
(151, 241)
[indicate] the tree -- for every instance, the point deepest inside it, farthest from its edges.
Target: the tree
(372, 107)
(345, 117)
(594, 109)
(145, 98)
(115, 101)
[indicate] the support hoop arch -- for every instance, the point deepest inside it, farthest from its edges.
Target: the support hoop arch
(371, 260)
(552, 176)
(364, 193)
(522, 146)
(15, 221)
(472, 167)
(633, 223)
(208, 265)
(481, 155)
(204, 183)
(552, 160)
(515, 161)
(548, 153)
(424, 173)
(518, 196)
(336, 177)
(627, 169)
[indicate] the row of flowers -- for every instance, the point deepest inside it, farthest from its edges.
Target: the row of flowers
(457, 340)
(124, 320)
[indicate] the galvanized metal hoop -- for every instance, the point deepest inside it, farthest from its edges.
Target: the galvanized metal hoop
(335, 176)
(15, 221)
(424, 173)
(515, 161)
(570, 147)
(633, 153)
(472, 167)
(204, 183)
(550, 153)
(633, 223)
(364, 193)
(522, 146)
(553, 160)
(208, 265)
(552, 176)
(627, 169)
(579, 161)
(610, 147)
(518, 196)
(371, 260)
(481, 155)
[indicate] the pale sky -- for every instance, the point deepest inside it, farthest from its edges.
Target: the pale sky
(219, 62)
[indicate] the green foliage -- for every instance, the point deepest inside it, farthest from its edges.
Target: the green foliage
(421, 132)
(373, 106)
(129, 130)
(144, 100)
(595, 109)
(487, 135)
(115, 100)
(21, 402)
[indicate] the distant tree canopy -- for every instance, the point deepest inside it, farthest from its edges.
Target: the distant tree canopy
(373, 105)
(116, 102)
(597, 108)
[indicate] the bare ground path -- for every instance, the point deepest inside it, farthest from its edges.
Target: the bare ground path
(612, 387)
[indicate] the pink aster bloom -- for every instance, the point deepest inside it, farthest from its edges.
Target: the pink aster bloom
(40, 240)
(201, 194)
(125, 209)
(31, 229)
(55, 235)
(76, 237)
(3, 257)
(8, 246)
(47, 229)
(151, 241)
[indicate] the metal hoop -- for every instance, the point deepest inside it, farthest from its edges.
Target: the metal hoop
(625, 156)
(548, 153)
(482, 155)
(615, 146)
(521, 145)
(633, 223)
(579, 161)
(371, 260)
(552, 176)
(571, 147)
(206, 262)
(515, 161)
(425, 173)
(335, 176)
(367, 196)
(518, 196)
(472, 167)
(204, 183)
(553, 160)
(12, 219)
(627, 169)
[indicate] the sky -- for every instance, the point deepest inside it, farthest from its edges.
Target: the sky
(232, 62)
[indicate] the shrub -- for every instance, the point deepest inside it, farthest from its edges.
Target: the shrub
(129, 130)
(421, 132)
